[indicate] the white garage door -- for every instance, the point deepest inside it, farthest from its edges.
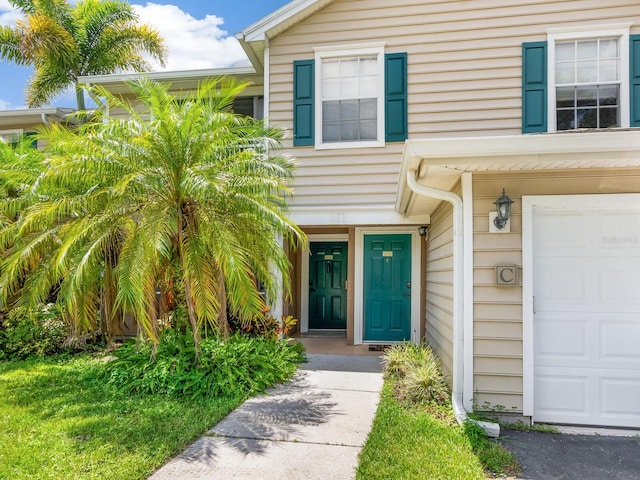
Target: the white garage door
(586, 319)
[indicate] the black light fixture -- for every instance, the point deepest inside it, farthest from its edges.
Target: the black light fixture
(503, 207)
(422, 230)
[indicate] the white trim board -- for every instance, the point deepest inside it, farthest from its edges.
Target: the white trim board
(531, 203)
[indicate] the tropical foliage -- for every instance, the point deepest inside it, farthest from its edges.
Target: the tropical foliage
(63, 42)
(239, 365)
(172, 216)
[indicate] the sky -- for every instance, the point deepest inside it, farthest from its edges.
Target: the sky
(198, 34)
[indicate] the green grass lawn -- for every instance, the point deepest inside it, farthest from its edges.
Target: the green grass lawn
(57, 422)
(413, 444)
(415, 435)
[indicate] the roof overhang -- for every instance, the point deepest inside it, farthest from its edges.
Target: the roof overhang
(31, 116)
(439, 162)
(179, 80)
(255, 37)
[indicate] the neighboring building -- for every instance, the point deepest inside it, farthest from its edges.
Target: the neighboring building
(407, 113)
(17, 124)
(184, 82)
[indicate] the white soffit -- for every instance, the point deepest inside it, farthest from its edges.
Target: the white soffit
(282, 19)
(10, 118)
(437, 159)
(254, 38)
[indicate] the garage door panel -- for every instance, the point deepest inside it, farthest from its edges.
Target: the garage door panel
(619, 230)
(561, 394)
(556, 224)
(561, 339)
(620, 397)
(586, 344)
(620, 285)
(560, 281)
(620, 341)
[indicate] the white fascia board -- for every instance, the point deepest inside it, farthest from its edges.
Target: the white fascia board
(36, 112)
(350, 215)
(259, 30)
(476, 152)
(519, 145)
(169, 75)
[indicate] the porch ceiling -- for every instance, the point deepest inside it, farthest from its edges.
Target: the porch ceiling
(439, 162)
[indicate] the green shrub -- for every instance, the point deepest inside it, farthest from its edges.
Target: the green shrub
(239, 365)
(416, 374)
(38, 332)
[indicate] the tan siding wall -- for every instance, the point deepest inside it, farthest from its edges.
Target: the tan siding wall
(498, 310)
(439, 286)
(464, 76)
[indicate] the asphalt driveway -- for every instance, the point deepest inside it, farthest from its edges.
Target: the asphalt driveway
(553, 456)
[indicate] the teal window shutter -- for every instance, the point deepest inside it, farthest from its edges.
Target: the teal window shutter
(534, 87)
(31, 138)
(395, 90)
(303, 100)
(634, 84)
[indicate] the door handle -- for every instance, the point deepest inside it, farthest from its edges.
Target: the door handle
(311, 289)
(407, 294)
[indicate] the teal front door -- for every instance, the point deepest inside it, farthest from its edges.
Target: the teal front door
(328, 285)
(387, 287)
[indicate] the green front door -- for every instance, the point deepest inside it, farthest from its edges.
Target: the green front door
(387, 287)
(328, 285)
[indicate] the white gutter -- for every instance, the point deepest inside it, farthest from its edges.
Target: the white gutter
(492, 429)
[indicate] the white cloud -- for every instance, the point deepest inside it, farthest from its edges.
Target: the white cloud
(192, 43)
(8, 14)
(6, 105)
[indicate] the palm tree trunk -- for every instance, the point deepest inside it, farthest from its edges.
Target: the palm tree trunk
(223, 319)
(80, 97)
(191, 311)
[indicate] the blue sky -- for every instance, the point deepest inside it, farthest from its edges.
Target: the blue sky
(199, 34)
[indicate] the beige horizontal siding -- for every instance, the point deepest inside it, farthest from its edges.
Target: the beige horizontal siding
(439, 286)
(464, 75)
(498, 310)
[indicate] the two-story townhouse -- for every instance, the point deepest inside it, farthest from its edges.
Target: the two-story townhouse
(412, 113)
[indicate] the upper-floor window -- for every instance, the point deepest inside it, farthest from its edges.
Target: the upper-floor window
(581, 77)
(588, 78)
(587, 83)
(351, 95)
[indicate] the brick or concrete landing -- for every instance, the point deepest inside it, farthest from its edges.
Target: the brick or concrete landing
(311, 428)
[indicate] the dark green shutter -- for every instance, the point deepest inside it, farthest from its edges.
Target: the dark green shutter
(395, 90)
(32, 139)
(303, 100)
(534, 87)
(634, 85)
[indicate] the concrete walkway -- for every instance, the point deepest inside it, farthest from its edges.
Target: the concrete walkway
(311, 428)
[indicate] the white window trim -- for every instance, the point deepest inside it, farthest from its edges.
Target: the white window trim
(619, 30)
(5, 134)
(376, 48)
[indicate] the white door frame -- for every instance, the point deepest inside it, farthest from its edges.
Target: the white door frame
(304, 273)
(358, 284)
(530, 203)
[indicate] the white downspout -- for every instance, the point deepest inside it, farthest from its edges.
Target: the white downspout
(492, 429)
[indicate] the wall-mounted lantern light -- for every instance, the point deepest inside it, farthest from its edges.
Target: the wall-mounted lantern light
(422, 230)
(503, 207)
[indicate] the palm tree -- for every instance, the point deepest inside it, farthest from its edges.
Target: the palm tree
(192, 202)
(64, 42)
